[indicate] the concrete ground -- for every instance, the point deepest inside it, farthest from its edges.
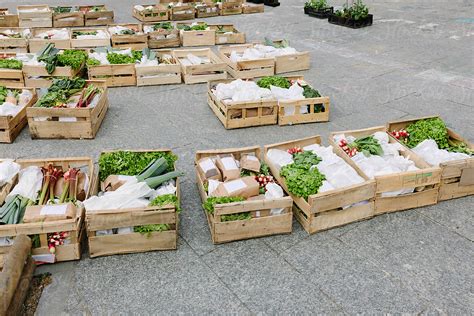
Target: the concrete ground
(416, 60)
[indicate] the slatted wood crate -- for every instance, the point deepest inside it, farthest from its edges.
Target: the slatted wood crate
(37, 42)
(91, 42)
(185, 11)
(34, 16)
(74, 227)
(206, 9)
(16, 272)
(11, 77)
(250, 8)
(237, 114)
(317, 109)
(161, 38)
(161, 74)
(138, 41)
(96, 15)
(11, 126)
(246, 69)
(8, 19)
(197, 38)
(262, 222)
(214, 70)
(68, 123)
(292, 62)
(425, 181)
(457, 177)
(104, 245)
(151, 13)
(227, 34)
(230, 7)
(121, 75)
(67, 19)
(38, 77)
(14, 45)
(328, 209)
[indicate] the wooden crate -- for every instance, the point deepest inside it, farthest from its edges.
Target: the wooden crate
(161, 74)
(158, 13)
(38, 77)
(68, 19)
(97, 18)
(425, 181)
(250, 8)
(329, 209)
(34, 18)
(236, 114)
(114, 75)
(298, 118)
(76, 123)
(11, 77)
(16, 272)
(261, 223)
(136, 41)
(6, 188)
(197, 38)
(159, 39)
(291, 62)
(134, 242)
(37, 43)
(89, 43)
(8, 19)
(206, 9)
(182, 12)
(230, 7)
(215, 70)
(235, 37)
(74, 226)
(246, 69)
(11, 126)
(457, 177)
(16, 45)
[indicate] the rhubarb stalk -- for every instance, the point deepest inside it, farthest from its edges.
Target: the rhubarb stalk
(73, 184)
(46, 178)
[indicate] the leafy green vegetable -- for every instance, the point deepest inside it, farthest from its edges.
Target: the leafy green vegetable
(4, 93)
(236, 217)
(130, 163)
(211, 202)
(72, 57)
(282, 44)
(48, 55)
(116, 58)
(357, 11)
(300, 181)
(276, 81)
(148, 229)
(367, 145)
(77, 33)
(93, 62)
(309, 92)
(316, 4)
(166, 199)
(197, 27)
(60, 91)
(264, 169)
(163, 25)
(11, 64)
(306, 159)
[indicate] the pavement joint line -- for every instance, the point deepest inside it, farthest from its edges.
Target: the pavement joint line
(399, 98)
(459, 103)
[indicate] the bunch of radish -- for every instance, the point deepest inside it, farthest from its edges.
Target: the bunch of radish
(263, 180)
(401, 134)
(348, 150)
(295, 150)
(56, 239)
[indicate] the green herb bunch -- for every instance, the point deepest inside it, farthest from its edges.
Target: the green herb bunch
(276, 81)
(166, 199)
(116, 58)
(358, 10)
(316, 4)
(73, 58)
(367, 145)
(4, 93)
(163, 26)
(11, 64)
(211, 202)
(148, 229)
(197, 27)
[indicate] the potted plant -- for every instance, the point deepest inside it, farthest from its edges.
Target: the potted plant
(354, 16)
(318, 9)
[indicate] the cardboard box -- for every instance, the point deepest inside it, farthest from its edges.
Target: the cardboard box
(113, 182)
(48, 213)
(208, 169)
(228, 167)
(250, 162)
(245, 187)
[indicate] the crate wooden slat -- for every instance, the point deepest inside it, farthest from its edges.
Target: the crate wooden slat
(97, 18)
(246, 69)
(136, 41)
(215, 70)
(36, 43)
(77, 123)
(157, 13)
(250, 8)
(235, 37)
(425, 181)
(68, 19)
(197, 38)
(104, 245)
(38, 77)
(230, 7)
(114, 75)
(11, 77)
(162, 38)
(89, 43)
(310, 103)
(183, 12)
(257, 226)
(161, 74)
(236, 114)
(206, 9)
(329, 209)
(8, 19)
(457, 178)
(11, 126)
(14, 45)
(74, 227)
(34, 18)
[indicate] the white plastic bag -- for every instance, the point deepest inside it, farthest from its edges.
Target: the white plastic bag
(8, 170)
